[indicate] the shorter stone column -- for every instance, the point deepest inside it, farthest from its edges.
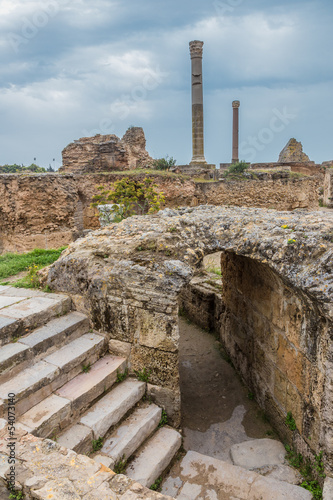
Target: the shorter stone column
(235, 131)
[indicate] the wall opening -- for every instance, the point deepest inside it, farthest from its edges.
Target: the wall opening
(272, 334)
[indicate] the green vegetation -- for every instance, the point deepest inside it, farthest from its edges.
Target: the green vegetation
(13, 263)
(157, 484)
(291, 241)
(214, 270)
(86, 368)
(143, 375)
(250, 395)
(120, 466)
(129, 197)
(17, 169)
(164, 163)
(310, 472)
(122, 375)
(97, 444)
(164, 419)
(237, 168)
(290, 421)
(16, 495)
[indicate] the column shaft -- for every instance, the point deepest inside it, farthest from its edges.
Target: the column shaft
(197, 103)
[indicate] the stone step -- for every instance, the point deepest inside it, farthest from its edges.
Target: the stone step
(30, 386)
(77, 438)
(37, 382)
(22, 310)
(207, 477)
(47, 417)
(14, 357)
(55, 413)
(86, 387)
(109, 410)
(155, 456)
(57, 332)
(129, 436)
(82, 351)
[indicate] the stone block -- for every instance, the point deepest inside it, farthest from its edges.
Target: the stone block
(328, 489)
(78, 438)
(127, 438)
(86, 387)
(155, 456)
(156, 330)
(258, 453)
(120, 348)
(168, 399)
(112, 407)
(163, 365)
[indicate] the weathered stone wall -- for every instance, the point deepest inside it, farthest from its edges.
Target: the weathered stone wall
(128, 277)
(328, 188)
(37, 211)
(201, 301)
(278, 341)
(104, 153)
(51, 210)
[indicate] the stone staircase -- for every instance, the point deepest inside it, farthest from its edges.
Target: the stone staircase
(67, 387)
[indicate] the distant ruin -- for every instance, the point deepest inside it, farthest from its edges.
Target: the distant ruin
(293, 152)
(106, 153)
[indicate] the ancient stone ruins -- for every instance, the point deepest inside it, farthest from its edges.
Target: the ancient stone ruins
(101, 394)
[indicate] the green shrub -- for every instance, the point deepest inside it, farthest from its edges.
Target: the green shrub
(290, 421)
(129, 197)
(164, 163)
(237, 168)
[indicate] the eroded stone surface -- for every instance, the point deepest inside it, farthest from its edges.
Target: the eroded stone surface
(282, 263)
(206, 477)
(103, 153)
(292, 152)
(258, 453)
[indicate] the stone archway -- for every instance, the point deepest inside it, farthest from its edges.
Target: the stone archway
(128, 277)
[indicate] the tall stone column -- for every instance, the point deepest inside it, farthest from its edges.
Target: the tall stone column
(196, 49)
(235, 131)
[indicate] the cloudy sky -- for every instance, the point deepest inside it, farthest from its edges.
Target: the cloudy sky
(74, 68)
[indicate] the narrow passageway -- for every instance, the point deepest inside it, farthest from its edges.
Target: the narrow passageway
(217, 409)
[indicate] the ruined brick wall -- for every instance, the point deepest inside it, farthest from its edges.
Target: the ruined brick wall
(105, 153)
(51, 210)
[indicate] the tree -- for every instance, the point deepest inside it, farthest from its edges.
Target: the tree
(129, 197)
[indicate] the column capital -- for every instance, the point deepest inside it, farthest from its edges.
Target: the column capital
(235, 104)
(196, 48)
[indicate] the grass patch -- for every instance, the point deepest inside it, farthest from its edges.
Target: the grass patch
(120, 466)
(214, 270)
(97, 444)
(14, 263)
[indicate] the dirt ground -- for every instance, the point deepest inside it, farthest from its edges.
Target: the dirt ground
(217, 409)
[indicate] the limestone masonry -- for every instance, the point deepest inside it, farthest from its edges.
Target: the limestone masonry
(277, 282)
